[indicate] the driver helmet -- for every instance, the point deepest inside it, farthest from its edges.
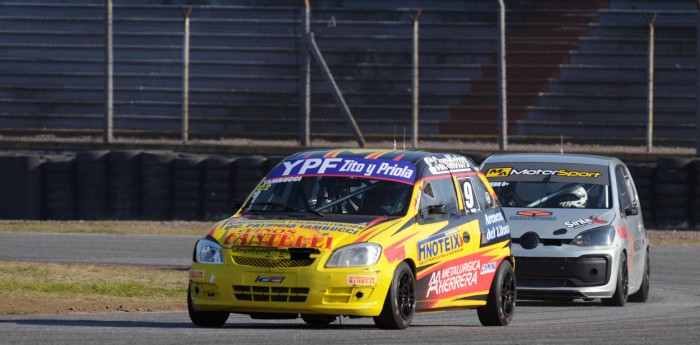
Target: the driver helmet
(577, 198)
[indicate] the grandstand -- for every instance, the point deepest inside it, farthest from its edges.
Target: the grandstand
(575, 68)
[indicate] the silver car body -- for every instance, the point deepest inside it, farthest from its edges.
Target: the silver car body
(548, 263)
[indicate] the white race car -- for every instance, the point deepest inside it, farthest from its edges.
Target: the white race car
(576, 226)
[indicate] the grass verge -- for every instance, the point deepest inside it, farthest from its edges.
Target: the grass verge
(174, 228)
(47, 288)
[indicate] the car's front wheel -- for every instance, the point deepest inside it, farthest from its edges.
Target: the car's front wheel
(619, 298)
(500, 304)
(400, 303)
(643, 294)
(209, 319)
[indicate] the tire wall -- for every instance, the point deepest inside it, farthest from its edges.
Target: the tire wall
(667, 192)
(164, 185)
(21, 187)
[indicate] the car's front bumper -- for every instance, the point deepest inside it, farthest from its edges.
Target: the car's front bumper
(312, 290)
(566, 272)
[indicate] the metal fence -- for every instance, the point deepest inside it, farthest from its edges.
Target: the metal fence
(604, 72)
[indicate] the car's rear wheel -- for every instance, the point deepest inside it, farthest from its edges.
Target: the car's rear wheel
(643, 294)
(500, 304)
(400, 303)
(619, 298)
(318, 320)
(209, 319)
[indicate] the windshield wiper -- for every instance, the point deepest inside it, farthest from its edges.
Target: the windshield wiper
(274, 204)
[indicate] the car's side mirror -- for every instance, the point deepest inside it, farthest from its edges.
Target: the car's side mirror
(631, 211)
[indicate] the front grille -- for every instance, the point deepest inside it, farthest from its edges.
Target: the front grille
(544, 272)
(270, 293)
(270, 257)
(254, 262)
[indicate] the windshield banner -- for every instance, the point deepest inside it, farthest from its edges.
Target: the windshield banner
(381, 169)
(555, 172)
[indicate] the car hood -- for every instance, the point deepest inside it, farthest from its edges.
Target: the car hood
(555, 223)
(320, 234)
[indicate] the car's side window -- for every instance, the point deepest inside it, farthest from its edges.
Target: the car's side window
(630, 187)
(476, 197)
(623, 188)
(438, 200)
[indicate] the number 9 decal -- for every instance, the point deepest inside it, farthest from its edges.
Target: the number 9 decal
(468, 194)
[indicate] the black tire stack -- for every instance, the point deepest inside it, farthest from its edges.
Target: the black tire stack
(156, 183)
(21, 185)
(247, 172)
(643, 176)
(91, 184)
(671, 193)
(186, 187)
(217, 188)
(694, 191)
(59, 188)
(124, 186)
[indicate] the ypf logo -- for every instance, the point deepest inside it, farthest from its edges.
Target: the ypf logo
(498, 172)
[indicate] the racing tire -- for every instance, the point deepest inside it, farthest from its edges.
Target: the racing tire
(642, 295)
(500, 303)
(207, 319)
(318, 320)
(619, 297)
(400, 303)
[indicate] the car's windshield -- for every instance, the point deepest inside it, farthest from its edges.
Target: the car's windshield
(551, 195)
(331, 195)
(553, 185)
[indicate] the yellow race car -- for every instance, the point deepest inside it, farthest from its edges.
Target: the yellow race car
(359, 233)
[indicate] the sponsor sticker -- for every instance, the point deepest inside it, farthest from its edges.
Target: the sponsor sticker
(446, 164)
(398, 171)
(439, 245)
(453, 278)
(495, 228)
(269, 279)
(361, 280)
(488, 268)
(505, 172)
(196, 274)
(534, 213)
(498, 172)
(284, 233)
(573, 224)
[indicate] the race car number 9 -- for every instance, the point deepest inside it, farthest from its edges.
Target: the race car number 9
(468, 194)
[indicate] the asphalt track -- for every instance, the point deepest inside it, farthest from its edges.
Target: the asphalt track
(671, 316)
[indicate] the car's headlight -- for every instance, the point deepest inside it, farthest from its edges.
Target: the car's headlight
(361, 254)
(208, 252)
(602, 236)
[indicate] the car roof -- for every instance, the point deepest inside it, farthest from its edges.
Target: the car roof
(551, 158)
(412, 157)
(426, 163)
